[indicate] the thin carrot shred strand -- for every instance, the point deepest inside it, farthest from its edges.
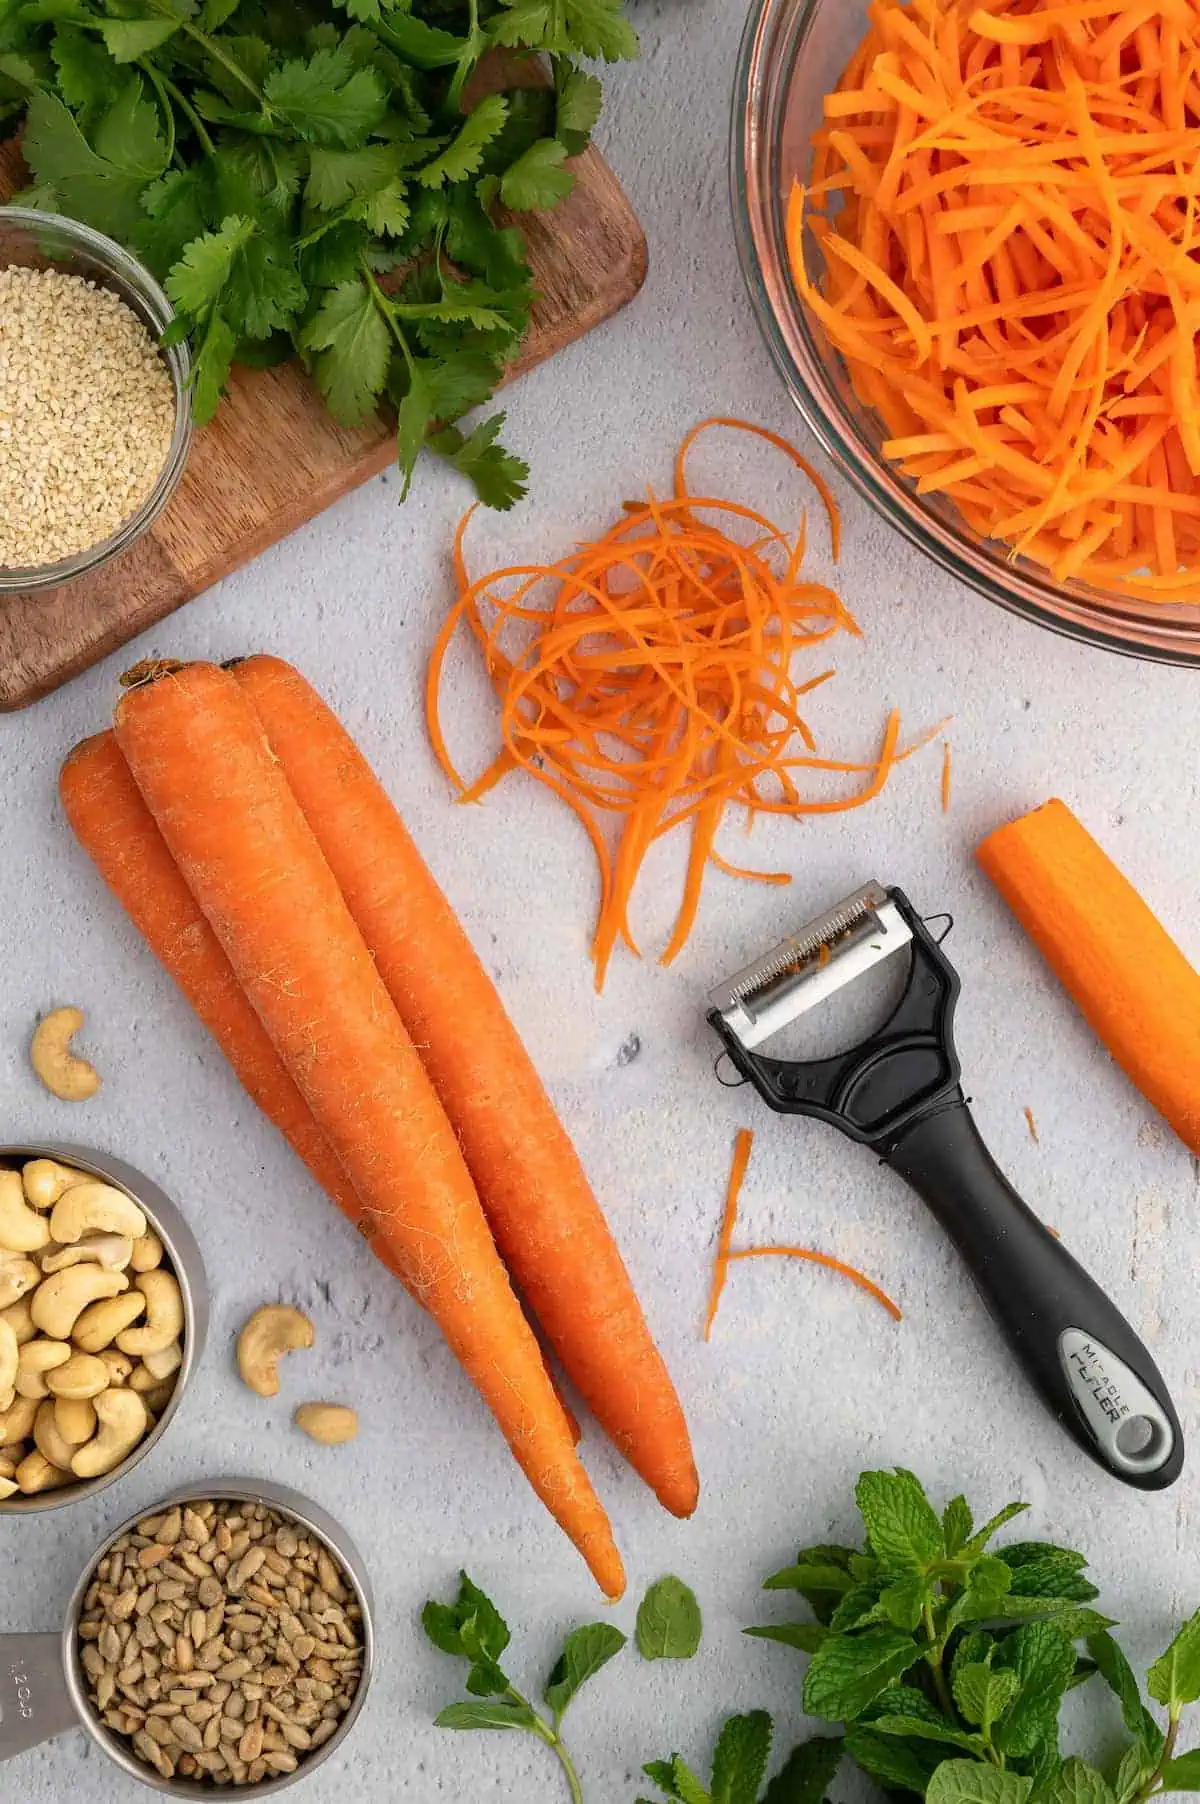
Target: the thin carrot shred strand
(834, 1265)
(1004, 200)
(737, 1172)
(651, 680)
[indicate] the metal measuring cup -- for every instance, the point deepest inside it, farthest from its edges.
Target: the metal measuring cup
(183, 1255)
(43, 1688)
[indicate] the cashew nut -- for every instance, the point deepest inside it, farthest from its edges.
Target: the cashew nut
(147, 1254)
(164, 1316)
(45, 1180)
(16, 1424)
(163, 1364)
(61, 1300)
(81, 1376)
(332, 1424)
(17, 1276)
(119, 1364)
(100, 1323)
(123, 1421)
(9, 1355)
(21, 1229)
(75, 1418)
(112, 1251)
(272, 1331)
(49, 1441)
(157, 1399)
(36, 1358)
(36, 1473)
(19, 1320)
(64, 1075)
(7, 1466)
(93, 1207)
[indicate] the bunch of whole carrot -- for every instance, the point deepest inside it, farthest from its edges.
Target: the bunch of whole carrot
(262, 861)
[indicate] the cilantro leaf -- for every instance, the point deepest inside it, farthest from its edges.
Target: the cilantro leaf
(86, 72)
(211, 363)
(354, 349)
(595, 28)
(414, 418)
(338, 176)
(464, 154)
(424, 46)
(177, 212)
(537, 179)
(128, 39)
(499, 478)
(326, 100)
(86, 183)
(386, 212)
(196, 283)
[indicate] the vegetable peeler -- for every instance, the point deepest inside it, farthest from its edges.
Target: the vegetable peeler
(899, 1092)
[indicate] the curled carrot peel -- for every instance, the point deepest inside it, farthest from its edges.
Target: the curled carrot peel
(650, 680)
(726, 1256)
(1005, 200)
(946, 776)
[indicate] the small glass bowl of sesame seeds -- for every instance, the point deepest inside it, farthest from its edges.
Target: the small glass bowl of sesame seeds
(94, 414)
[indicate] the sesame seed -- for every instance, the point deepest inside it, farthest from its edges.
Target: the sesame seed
(87, 415)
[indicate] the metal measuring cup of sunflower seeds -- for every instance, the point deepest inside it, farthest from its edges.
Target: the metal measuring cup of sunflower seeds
(180, 1257)
(297, 1670)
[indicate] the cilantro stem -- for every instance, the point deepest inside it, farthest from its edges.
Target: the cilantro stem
(553, 1740)
(466, 63)
(190, 114)
(230, 64)
(388, 309)
(168, 110)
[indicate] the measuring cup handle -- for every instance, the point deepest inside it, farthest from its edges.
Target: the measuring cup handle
(35, 1703)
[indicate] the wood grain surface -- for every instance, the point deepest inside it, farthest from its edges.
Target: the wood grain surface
(273, 458)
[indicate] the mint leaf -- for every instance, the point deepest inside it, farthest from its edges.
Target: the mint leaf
(822, 1586)
(578, 99)
(904, 1602)
(957, 1523)
(807, 1773)
(1043, 1659)
(499, 478)
(967, 1782)
(904, 1532)
(849, 1671)
(669, 1625)
(212, 359)
(482, 1715)
(1118, 1675)
(585, 1651)
(1078, 1783)
(982, 1695)
(918, 1728)
(741, 1759)
(441, 1625)
(1051, 1577)
(859, 1607)
(1182, 1774)
(1136, 1767)
(904, 1765)
(903, 1700)
(326, 100)
(1175, 1678)
(979, 1541)
(806, 1636)
(128, 39)
(537, 179)
(354, 349)
(463, 156)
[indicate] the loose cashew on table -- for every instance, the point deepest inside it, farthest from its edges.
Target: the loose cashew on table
(64, 1074)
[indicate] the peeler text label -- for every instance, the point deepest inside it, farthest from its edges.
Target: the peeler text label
(1091, 1375)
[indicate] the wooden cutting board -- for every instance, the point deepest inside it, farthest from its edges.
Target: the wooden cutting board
(273, 458)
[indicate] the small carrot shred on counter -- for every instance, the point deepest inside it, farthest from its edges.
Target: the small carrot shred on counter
(726, 1256)
(1004, 197)
(1031, 1124)
(946, 775)
(655, 686)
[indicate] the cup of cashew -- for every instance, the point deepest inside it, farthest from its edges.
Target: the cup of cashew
(103, 1314)
(267, 1605)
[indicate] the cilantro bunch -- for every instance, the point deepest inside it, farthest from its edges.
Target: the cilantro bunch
(947, 1662)
(304, 178)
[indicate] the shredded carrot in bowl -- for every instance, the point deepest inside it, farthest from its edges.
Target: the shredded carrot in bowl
(649, 680)
(1005, 199)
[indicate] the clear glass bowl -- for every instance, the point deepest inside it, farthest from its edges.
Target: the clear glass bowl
(49, 241)
(793, 53)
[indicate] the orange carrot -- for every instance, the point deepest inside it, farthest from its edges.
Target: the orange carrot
(655, 690)
(548, 1225)
(725, 1257)
(737, 1172)
(1004, 198)
(1114, 958)
(237, 834)
(116, 829)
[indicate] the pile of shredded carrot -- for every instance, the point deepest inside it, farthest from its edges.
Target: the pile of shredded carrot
(725, 1255)
(653, 685)
(1004, 194)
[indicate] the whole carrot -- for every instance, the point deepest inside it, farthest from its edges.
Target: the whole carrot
(241, 843)
(546, 1220)
(112, 823)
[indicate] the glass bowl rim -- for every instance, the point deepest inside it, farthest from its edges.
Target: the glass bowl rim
(27, 579)
(1023, 591)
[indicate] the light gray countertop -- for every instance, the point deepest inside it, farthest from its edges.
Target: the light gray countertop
(805, 1381)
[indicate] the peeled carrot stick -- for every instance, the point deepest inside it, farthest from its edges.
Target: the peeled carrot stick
(118, 832)
(198, 755)
(1115, 959)
(547, 1223)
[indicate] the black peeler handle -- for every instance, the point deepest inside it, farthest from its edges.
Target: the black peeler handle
(1076, 1346)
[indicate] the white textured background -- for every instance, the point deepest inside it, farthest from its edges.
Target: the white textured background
(806, 1381)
